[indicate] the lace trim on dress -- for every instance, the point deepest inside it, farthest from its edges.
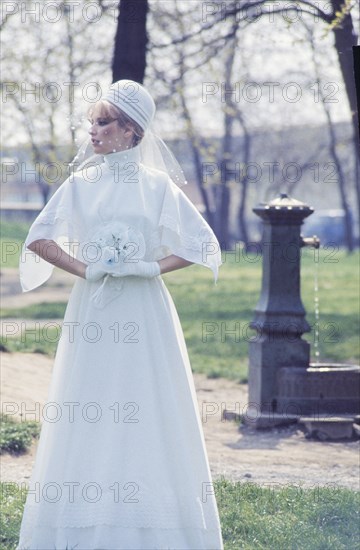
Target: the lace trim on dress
(65, 232)
(190, 242)
(50, 217)
(161, 514)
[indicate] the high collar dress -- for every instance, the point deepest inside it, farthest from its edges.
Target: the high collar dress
(121, 462)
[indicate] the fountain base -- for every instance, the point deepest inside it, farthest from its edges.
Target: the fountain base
(329, 429)
(321, 392)
(322, 388)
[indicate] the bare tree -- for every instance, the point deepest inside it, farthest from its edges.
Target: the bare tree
(333, 149)
(338, 19)
(43, 79)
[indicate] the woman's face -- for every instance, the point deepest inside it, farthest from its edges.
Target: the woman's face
(107, 136)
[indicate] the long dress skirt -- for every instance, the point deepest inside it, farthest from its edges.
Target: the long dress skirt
(121, 461)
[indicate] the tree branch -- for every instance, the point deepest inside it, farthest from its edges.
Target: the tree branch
(249, 19)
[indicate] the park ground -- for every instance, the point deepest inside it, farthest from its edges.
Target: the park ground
(279, 458)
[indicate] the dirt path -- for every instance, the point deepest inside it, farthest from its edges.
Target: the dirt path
(270, 458)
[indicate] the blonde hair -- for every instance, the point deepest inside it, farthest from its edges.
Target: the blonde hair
(108, 110)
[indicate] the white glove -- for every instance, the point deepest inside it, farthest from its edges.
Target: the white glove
(95, 272)
(139, 268)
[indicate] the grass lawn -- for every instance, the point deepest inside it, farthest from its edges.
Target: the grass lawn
(252, 518)
(288, 518)
(216, 318)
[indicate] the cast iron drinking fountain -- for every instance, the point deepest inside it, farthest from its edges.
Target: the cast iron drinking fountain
(284, 386)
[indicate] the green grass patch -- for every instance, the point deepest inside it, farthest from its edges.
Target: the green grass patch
(38, 339)
(12, 500)
(10, 252)
(14, 230)
(339, 304)
(12, 236)
(44, 310)
(16, 437)
(252, 517)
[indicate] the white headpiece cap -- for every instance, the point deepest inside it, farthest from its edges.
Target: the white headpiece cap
(134, 100)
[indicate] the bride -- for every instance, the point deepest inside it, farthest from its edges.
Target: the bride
(121, 462)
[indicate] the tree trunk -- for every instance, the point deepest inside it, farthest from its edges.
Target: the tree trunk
(223, 196)
(223, 193)
(345, 39)
(222, 210)
(199, 176)
(129, 61)
(344, 203)
(244, 236)
(356, 56)
(196, 157)
(44, 190)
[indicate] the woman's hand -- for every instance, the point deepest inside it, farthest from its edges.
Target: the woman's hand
(149, 269)
(138, 268)
(94, 272)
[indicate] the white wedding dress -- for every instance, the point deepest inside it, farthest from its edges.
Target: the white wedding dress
(121, 461)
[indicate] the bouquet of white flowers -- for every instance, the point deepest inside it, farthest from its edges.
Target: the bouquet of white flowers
(115, 242)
